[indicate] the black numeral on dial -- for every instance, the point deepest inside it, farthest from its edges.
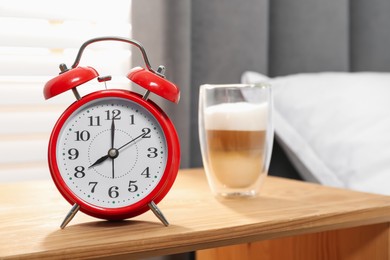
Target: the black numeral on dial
(132, 186)
(82, 135)
(93, 183)
(113, 192)
(146, 173)
(94, 120)
(79, 172)
(73, 154)
(152, 152)
(146, 132)
(113, 114)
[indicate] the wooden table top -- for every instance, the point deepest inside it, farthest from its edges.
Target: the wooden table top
(31, 212)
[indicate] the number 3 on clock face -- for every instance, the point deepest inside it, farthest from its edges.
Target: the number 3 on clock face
(112, 153)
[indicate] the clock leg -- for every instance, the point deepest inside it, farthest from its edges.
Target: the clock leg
(158, 213)
(70, 215)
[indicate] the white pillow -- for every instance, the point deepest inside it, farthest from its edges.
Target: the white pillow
(335, 126)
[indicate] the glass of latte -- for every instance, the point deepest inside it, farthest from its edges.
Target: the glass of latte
(236, 137)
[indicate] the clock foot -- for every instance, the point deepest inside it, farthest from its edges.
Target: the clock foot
(158, 213)
(70, 215)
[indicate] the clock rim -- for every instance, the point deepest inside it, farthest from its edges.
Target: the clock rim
(161, 189)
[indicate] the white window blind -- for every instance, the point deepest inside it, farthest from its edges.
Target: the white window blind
(35, 37)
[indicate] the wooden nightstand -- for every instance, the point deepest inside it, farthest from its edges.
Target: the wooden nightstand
(290, 220)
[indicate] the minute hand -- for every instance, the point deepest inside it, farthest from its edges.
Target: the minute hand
(133, 140)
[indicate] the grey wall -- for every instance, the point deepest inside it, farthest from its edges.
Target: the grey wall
(307, 36)
(369, 35)
(227, 39)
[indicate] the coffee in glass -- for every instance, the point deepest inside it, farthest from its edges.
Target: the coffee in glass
(236, 135)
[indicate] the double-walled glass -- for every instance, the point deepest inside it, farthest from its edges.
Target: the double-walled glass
(236, 137)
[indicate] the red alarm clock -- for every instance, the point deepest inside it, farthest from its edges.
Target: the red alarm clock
(113, 154)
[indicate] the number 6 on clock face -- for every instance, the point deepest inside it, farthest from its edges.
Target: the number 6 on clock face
(112, 153)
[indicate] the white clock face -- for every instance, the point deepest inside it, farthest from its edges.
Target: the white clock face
(111, 152)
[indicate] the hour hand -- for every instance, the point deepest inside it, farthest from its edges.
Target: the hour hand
(100, 160)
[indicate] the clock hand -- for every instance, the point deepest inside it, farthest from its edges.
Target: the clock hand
(133, 140)
(112, 133)
(100, 160)
(112, 146)
(113, 168)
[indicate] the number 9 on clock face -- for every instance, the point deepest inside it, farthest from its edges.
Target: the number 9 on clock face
(112, 153)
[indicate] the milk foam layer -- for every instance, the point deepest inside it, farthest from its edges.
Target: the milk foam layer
(238, 116)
